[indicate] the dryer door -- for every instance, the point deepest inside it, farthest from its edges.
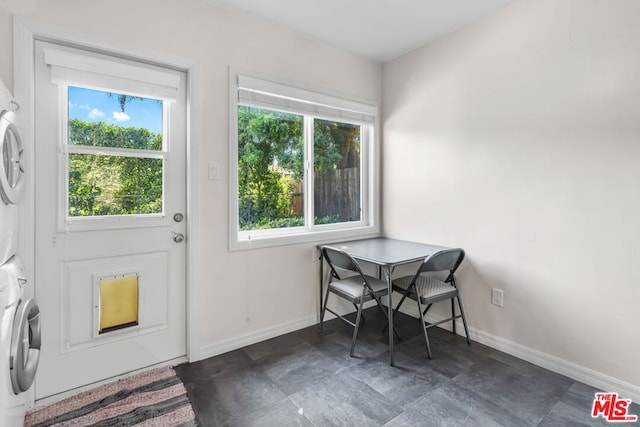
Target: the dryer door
(11, 164)
(25, 345)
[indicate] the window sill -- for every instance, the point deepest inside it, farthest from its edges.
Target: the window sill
(303, 237)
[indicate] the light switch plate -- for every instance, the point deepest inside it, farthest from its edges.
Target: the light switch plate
(214, 172)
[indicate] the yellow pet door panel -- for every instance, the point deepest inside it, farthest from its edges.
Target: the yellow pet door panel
(117, 304)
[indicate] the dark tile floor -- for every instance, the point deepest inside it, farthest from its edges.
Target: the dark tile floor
(307, 378)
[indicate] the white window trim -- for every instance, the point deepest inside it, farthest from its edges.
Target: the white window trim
(90, 70)
(368, 226)
(106, 75)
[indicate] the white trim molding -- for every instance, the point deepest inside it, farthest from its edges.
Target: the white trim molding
(538, 358)
(553, 363)
(558, 365)
(254, 337)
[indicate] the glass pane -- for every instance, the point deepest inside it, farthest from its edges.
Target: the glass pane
(270, 169)
(114, 185)
(108, 119)
(337, 192)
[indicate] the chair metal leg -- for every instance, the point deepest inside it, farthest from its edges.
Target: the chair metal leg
(453, 317)
(380, 307)
(464, 319)
(395, 310)
(424, 328)
(356, 307)
(355, 330)
(324, 308)
(426, 309)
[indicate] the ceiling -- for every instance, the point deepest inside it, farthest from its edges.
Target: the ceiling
(378, 29)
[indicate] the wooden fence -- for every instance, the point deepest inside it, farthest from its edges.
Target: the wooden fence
(337, 193)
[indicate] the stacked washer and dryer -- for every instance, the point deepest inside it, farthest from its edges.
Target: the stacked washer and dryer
(19, 316)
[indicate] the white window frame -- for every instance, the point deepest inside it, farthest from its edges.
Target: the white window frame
(97, 222)
(329, 107)
(110, 74)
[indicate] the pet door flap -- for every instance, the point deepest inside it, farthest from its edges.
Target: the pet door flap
(118, 303)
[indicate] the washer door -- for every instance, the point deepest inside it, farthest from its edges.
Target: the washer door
(11, 163)
(25, 345)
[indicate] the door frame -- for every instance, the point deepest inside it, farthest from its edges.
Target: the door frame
(25, 33)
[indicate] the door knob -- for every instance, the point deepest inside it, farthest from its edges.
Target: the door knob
(178, 237)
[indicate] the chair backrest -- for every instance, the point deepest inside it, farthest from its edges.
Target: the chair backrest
(338, 259)
(446, 259)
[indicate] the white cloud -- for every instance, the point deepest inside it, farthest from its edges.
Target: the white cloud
(73, 105)
(96, 114)
(120, 117)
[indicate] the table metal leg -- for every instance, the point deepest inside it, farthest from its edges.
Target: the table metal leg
(388, 272)
(320, 281)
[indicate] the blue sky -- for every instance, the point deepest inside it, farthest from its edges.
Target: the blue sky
(97, 106)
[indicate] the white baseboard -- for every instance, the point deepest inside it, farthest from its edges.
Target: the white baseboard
(214, 349)
(561, 366)
(555, 364)
(544, 360)
(235, 343)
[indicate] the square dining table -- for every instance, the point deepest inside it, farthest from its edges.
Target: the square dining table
(387, 254)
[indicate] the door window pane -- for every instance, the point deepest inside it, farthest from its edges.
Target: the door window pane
(117, 181)
(270, 169)
(114, 185)
(337, 193)
(108, 119)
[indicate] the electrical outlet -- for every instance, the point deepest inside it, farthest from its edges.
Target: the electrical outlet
(497, 297)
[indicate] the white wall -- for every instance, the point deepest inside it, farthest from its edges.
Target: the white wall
(518, 138)
(241, 295)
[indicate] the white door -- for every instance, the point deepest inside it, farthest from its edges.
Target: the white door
(110, 190)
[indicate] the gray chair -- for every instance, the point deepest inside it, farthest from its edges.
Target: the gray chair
(356, 288)
(426, 290)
